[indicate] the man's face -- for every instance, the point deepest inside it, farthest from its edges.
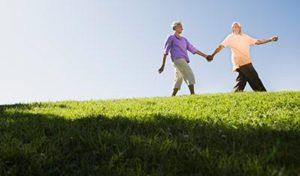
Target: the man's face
(179, 29)
(236, 29)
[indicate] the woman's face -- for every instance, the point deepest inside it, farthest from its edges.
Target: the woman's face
(178, 29)
(236, 29)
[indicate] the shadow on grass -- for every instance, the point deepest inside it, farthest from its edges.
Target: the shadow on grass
(43, 144)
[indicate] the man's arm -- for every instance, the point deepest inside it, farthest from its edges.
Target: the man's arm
(161, 69)
(263, 41)
(217, 50)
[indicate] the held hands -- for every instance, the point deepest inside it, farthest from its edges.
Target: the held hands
(209, 58)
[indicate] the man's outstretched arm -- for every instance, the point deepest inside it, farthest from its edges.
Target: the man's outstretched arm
(264, 41)
(217, 50)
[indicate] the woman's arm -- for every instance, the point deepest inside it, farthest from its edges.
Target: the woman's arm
(167, 49)
(194, 50)
(162, 67)
(201, 54)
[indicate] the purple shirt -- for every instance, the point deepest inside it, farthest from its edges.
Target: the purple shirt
(178, 47)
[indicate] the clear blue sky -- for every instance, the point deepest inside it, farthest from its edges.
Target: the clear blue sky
(102, 49)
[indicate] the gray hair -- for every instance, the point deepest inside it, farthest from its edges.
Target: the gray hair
(175, 24)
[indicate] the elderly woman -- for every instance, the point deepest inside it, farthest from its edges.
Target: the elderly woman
(178, 47)
(240, 48)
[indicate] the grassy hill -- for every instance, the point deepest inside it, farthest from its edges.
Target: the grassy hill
(217, 134)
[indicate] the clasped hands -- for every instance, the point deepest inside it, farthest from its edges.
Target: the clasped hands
(209, 58)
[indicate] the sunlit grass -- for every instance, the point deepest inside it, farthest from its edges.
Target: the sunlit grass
(217, 134)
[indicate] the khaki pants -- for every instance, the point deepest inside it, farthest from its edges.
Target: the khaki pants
(183, 72)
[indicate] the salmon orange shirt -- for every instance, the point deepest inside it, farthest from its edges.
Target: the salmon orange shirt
(240, 48)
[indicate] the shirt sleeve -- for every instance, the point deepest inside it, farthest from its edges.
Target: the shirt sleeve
(168, 45)
(226, 42)
(191, 48)
(251, 40)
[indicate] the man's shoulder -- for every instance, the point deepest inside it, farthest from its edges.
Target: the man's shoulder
(232, 36)
(229, 36)
(245, 35)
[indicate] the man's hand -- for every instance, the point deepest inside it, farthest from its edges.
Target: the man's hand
(274, 38)
(161, 69)
(209, 58)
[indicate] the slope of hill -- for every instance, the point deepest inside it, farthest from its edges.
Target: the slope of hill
(216, 134)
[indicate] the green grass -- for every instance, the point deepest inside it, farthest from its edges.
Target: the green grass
(217, 134)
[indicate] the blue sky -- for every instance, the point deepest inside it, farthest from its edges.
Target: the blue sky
(98, 49)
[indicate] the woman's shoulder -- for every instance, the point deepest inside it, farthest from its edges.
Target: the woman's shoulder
(171, 36)
(184, 38)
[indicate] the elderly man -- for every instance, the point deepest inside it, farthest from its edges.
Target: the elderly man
(240, 47)
(178, 47)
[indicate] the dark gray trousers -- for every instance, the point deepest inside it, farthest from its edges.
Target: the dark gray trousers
(247, 73)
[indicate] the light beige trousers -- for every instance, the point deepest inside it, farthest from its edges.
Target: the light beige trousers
(183, 72)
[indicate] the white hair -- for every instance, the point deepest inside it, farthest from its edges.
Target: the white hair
(176, 23)
(238, 24)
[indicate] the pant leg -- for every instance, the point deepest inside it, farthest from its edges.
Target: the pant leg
(252, 77)
(186, 71)
(241, 82)
(178, 79)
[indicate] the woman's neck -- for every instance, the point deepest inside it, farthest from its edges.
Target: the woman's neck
(177, 35)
